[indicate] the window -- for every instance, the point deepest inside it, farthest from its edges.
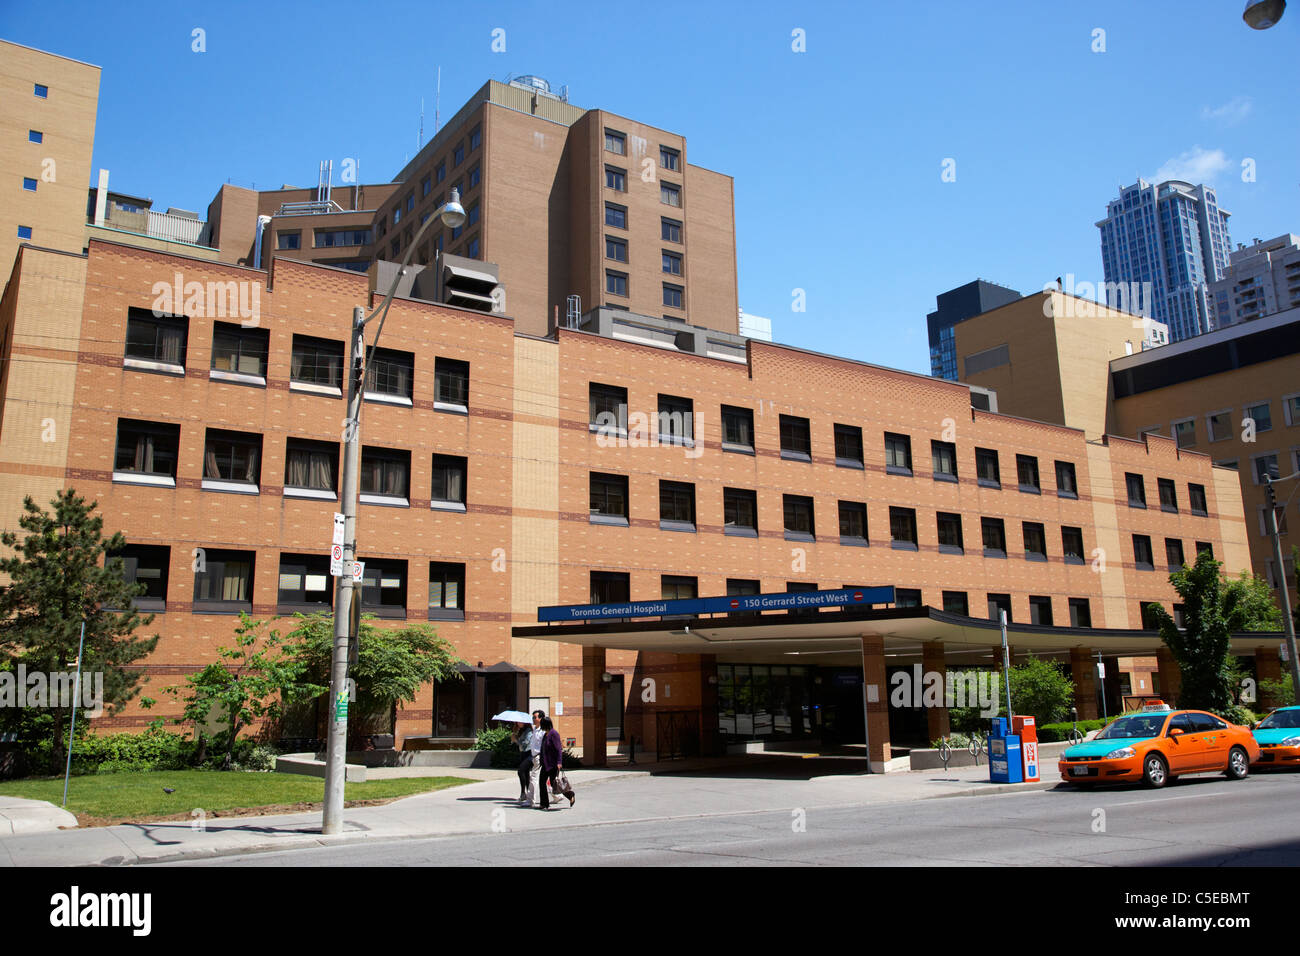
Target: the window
(616, 282)
(995, 537)
(331, 238)
(796, 441)
(739, 512)
(223, 581)
(1067, 486)
(426, 187)
(305, 583)
(1035, 541)
(156, 343)
(902, 529)
(853, 523)
(472, 215)
(898, 454)
(458, 155)
(742, 587)
(1196, 496)
(1142, 555)
(316, 365)
(24, 232)
(476, 137)
(41, 90)
(1147, 612)
(848, 446)
(737, 429)
(35, 136)
(239, 354)
(676, 420)
(615, 249)
(670, 230)
(799, 524)
(29, 184)
(673, 295)
(610, 587)
(447, 492)
(475, 176)
(1291, 409)
(672, 264)
(472, 248)
(669, 159)
(1072, 545)
(146, 452)
(615, 142)
(950, 536)
(1027, 474)
(451, 385)
(388, 376)
(446, 591)
(1174, 553)
(986, 467)
(1137, 493)
(675, 587)
(146, 565)
(310, 469)
(608, 499)
(607, 407)
(955, 602)
(385, 476)
(616, 179)
(1219, 426)
(944, 456)
(1040, 611)
(1080, 613)
(907, 597)
(288, 240)
(232, 461)
(1264, 466)
(383, 588)
(615, 215)
(670, 195)
(1262, 415)
(676, 506)
(440, 173)
(1185, 433)
(999, 604)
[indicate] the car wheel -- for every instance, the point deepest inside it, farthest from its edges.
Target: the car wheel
(1238, 764)
(1155, 772)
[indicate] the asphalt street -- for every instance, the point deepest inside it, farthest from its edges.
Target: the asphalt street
(1198, 821)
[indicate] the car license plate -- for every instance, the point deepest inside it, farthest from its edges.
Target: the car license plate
(1079, 771)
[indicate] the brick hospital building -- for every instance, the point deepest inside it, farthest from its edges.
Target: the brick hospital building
(209, 423)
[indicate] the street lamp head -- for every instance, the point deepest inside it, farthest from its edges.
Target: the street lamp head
(1262, 14)
(453, 213)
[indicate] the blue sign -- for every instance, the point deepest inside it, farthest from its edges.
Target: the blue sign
(784, 601)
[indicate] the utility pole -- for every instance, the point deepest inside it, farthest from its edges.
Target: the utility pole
(1288, 624)
(1006, 663)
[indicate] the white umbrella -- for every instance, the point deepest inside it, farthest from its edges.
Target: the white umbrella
(514, 717)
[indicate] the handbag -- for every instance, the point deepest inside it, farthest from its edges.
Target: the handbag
(560, 784)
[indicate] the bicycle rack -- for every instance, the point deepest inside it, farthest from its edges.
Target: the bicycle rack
(945, 752)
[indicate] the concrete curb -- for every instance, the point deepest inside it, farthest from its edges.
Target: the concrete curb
(19, 815)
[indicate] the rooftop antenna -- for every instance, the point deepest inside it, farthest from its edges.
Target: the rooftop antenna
(419, 142)
(437, 101)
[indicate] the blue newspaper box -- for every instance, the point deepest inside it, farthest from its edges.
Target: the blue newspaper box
(1004, 754)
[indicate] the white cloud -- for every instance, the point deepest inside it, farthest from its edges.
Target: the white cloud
(1230, 113)
(1195, 166)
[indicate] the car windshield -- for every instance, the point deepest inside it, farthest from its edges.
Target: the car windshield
(1281, 719)
(1139, 725)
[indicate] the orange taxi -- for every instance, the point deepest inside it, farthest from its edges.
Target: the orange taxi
(1156, 746)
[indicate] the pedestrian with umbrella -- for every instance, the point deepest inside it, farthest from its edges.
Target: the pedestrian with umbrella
(521, 738)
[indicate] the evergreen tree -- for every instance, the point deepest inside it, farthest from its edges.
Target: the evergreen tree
(60, 574)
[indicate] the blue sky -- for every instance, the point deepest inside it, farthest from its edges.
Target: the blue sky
(837, 152)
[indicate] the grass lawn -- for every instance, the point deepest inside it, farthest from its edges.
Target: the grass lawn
(107, 798)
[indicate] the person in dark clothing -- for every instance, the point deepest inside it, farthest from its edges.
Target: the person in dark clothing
(552, 762)
(522, 738)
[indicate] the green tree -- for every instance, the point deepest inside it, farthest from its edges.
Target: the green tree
(393, 664)
(60, 574)
(1214, 609)
(251, 681)
(1042, 689)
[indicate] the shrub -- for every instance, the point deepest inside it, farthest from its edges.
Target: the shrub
(1237, 714)
(1050, 733)
(505, 753)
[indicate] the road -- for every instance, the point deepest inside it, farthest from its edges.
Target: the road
(1201, 821)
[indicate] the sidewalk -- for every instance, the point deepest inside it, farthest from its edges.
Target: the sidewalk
(611, 796)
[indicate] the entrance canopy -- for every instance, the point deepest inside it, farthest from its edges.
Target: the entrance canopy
(833, 637)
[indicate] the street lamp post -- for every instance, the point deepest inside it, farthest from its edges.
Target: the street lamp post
(1288, 625)
(450, 214)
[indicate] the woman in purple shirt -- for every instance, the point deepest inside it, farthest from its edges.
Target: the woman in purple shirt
(552, 762)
